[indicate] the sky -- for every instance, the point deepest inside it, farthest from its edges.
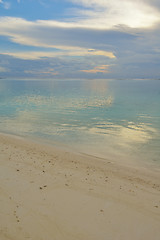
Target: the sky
(79, 39)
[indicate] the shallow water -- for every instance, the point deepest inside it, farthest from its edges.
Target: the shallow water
(115, 119)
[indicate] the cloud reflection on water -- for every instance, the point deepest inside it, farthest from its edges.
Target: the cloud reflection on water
(88, 115)
(63, 103)
(30, 121)
(126, 135)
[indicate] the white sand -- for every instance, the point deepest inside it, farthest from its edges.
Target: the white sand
(53, 194)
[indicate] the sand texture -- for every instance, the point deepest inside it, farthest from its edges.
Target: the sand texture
(54, 194)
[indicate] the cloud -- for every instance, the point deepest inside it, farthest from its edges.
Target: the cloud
(70, 41)
(33, 55)
(93, 71)
(6, 5)
(47, 71)
(62, 67)
(98, 69)
(108, 14)
(3, 69)
(62, 36)
(123, 35)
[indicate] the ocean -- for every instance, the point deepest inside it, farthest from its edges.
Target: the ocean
(112, 119)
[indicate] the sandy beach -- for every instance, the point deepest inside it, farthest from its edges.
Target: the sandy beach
(48, 193)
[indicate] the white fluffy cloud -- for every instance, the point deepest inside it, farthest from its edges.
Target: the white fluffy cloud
(40, 34)
(106, 14)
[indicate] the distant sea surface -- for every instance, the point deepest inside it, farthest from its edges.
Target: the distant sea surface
(112, 119)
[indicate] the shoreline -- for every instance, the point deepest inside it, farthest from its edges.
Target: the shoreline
(53, 193)
(118, 158)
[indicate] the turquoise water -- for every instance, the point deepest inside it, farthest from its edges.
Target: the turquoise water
(114, 119)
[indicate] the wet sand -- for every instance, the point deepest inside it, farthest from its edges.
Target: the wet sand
(48, 193)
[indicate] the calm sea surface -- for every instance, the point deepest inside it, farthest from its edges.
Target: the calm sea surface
(115, 119)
